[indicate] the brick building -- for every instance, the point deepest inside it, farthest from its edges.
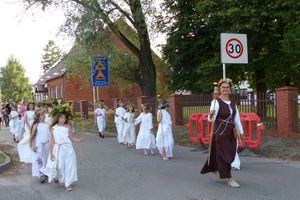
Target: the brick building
(57, 84)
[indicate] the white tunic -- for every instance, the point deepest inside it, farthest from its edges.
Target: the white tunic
(129, 129)
(164, 137)
(42, 148)
(145, 139)
(24, 150)
(120, 111)
(101, 122)
(64, 166)
(16, 126)
(30, 119)
(48, 118)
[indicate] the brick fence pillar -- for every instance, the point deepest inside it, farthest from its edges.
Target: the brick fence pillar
(176, 109)
(286, 110)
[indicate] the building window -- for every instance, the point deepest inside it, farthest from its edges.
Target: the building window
(61, 91)
(56, 92)
(50, 95)
(53, 92)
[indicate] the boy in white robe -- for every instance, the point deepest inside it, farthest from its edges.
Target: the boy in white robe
(100, 114)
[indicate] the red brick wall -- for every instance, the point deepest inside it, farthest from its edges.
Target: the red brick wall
(77, 90)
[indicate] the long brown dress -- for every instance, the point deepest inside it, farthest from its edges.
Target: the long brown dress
(223, 147)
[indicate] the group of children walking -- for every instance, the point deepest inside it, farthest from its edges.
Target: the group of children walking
(46, 144)
(45, 141)
(126, 123)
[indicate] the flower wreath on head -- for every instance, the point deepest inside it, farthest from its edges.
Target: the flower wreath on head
(225, 80)
(66, 109)
(37, 113)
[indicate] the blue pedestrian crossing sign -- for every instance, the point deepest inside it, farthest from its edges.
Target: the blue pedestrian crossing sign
(100, 71)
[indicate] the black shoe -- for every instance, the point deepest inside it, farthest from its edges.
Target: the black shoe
(43, 178)
(99, 134)
(103, 136)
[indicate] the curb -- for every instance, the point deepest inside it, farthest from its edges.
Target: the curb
(6, 164)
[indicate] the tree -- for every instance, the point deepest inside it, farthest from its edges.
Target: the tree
(123, 64)
(193, 44)
(13, 82)
(50, 56)
(92, 15)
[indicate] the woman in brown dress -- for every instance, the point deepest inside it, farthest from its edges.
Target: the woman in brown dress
(223, 147)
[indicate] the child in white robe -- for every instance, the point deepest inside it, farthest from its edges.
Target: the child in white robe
(164, 137)
(48, 118)
(24, 150)
(61, 166)
(119, 114)
(16, 125)
(129, 128)
(145, 139)
(40, 145)
(100, 114)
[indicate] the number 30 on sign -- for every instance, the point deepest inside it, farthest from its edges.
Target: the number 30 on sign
(234, 48)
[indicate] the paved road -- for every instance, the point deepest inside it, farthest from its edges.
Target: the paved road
(110, 172)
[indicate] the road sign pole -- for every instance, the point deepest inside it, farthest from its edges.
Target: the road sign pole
(94, 98)
(97, 92)
(224, 71)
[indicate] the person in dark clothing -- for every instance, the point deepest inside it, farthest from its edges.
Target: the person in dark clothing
(6, 112)
(224, 113)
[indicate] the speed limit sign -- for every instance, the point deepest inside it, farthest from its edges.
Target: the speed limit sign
(234, 48)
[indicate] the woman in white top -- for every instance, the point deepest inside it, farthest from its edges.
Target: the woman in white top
(62, 166)
(25, 153)
(145, 139)
(100, 114)
(129, 128)
(164, 137)
(40, 144)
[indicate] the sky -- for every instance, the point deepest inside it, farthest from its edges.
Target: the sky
(24, 34)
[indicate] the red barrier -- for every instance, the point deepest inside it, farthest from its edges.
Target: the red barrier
(194, 119)
(205, 129)
(252, 135)
(252, 129)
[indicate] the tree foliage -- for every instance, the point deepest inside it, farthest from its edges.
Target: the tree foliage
(123, 64)
(14, 83)
(86, 20)
(50, 55)
(193, 44)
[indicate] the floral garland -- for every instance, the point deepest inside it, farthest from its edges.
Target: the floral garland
(226, 80)
(65, 109)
